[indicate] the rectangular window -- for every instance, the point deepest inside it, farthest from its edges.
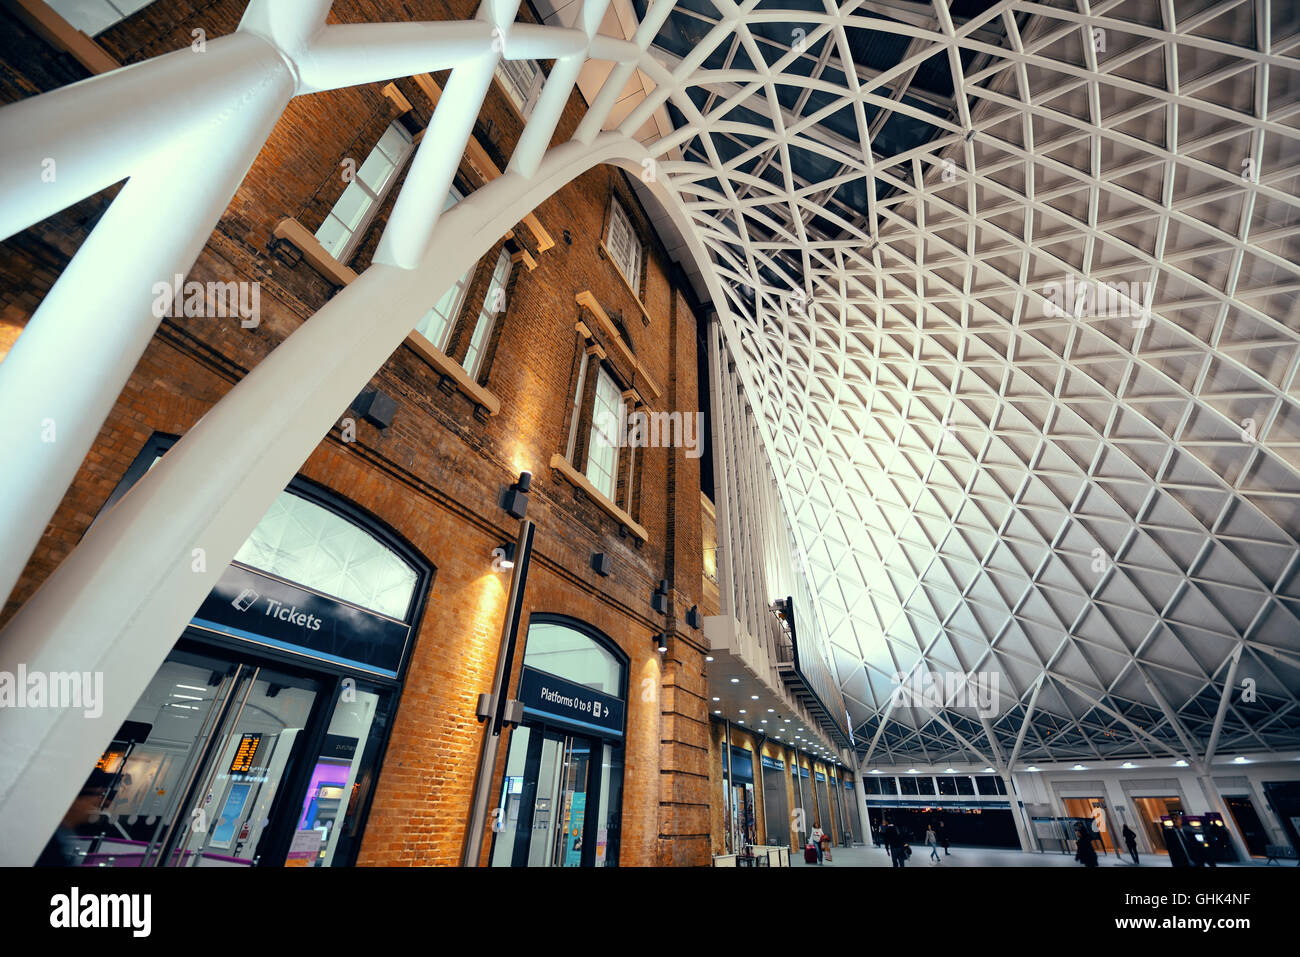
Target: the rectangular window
(437, 323)
(624, 248)
(347, 221)
(522, 80)
(602, 448)
(493, 303)
(96, 16)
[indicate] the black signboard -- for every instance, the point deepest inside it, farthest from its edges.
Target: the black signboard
(551, 697)
(258, 608)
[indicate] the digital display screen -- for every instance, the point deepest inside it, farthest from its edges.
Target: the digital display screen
(246, 753)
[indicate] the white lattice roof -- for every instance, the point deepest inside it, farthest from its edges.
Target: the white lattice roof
(990, 466)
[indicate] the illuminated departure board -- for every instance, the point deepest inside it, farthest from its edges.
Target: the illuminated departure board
(245, 753)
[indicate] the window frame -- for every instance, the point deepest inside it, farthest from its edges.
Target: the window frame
(376, 200)
(85, 25)
(617, 214)
(595, 429)
(487, 318)
(464, 282)
(523, 100)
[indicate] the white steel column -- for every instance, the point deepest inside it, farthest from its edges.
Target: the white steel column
(117, 604)
(68, 367)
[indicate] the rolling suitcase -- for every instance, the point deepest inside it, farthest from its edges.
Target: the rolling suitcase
(810, 854)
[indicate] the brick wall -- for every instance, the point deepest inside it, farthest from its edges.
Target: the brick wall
(436, 473)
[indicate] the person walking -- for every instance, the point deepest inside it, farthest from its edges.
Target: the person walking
(816, 837)
(1085, 854)
(894, 841)
(1182, 846)
(943, 838)
(932, 842)
(1131, 841)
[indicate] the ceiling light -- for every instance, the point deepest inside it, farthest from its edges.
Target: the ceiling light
(1128, 764)
(1180, 763)
(708, 657)
(735, 681)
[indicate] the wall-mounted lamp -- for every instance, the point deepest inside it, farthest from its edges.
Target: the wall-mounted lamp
(661, 642)
(515, 499)
(693, 617)
(659, 600)
(601, 563)
(503, 556)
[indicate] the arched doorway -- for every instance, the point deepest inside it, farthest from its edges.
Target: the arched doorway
(562, 794)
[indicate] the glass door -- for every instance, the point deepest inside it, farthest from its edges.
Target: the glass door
(230, 800)
(192, 777)
(551, 812)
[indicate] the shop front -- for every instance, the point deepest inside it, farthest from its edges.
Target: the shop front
(258, 740)
(851, 811)
(562, 793)
(776, 809)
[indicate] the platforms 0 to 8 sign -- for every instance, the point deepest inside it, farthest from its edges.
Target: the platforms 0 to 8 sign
(554, 696)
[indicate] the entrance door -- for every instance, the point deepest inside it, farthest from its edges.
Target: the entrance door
(1150, 811)
(1094, 810)
(195, 779)
(776, 807)
(1248, 822)
(549, 802)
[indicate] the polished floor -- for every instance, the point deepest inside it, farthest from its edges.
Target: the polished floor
(861, 856)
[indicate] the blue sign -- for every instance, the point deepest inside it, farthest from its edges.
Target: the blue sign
(549, 696)
(256, 607)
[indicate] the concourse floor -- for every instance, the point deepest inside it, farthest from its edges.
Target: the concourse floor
(862, 856)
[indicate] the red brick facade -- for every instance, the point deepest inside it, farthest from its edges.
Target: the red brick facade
(434, 476)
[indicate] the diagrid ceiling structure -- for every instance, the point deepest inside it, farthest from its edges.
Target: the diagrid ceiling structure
(1014, 287)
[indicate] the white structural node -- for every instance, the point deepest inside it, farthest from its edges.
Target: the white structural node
(1010, 286)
